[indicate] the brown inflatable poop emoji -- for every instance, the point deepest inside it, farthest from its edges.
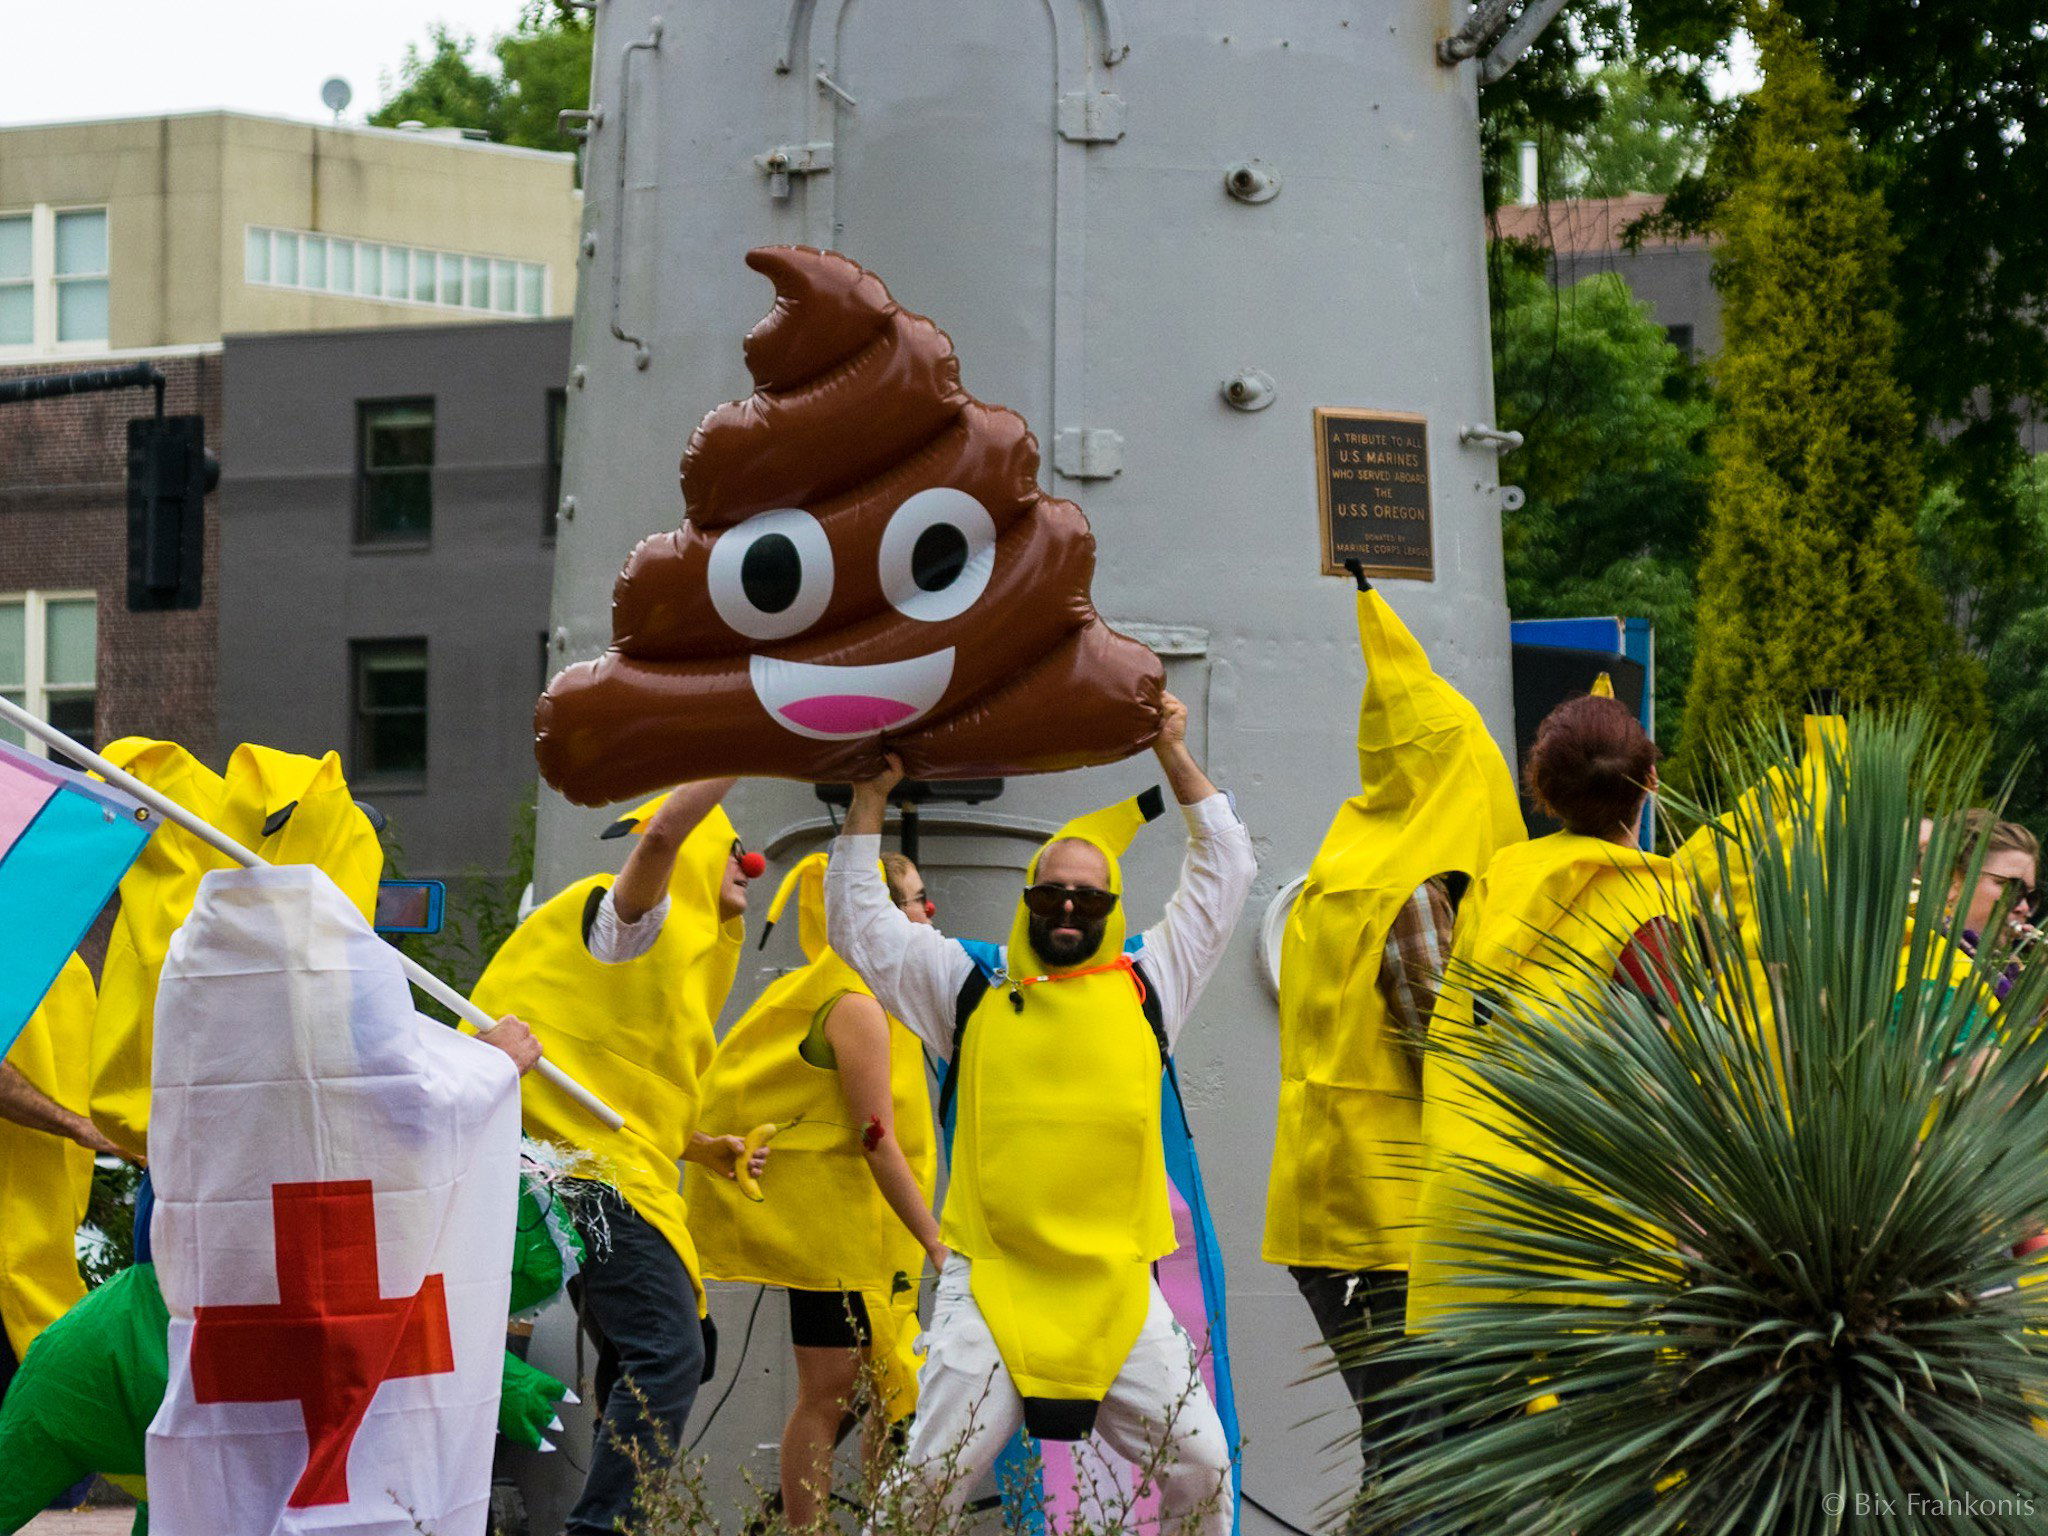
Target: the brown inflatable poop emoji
(868, 565)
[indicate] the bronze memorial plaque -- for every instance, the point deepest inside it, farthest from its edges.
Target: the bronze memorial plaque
(1372, 478)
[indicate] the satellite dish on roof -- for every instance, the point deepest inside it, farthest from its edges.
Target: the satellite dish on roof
(337, 95)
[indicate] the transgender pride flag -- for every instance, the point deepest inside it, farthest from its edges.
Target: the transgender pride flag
(65, 842)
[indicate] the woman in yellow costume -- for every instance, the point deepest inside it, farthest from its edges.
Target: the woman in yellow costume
(1047, 1313)
(1579, 909)
(845, 1223)
(622, 980)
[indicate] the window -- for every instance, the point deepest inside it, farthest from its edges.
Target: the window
(558, 420)
(53, 280)
(388, 745)
(1680, 336)
(394, 471)
(48, 648)
(17, 281)
(393, 274)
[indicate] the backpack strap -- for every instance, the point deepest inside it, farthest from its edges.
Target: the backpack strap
(988, 959)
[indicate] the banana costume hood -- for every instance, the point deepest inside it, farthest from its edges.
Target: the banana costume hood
(287, 808)
(44, 1179)
(824, 1225)
(1541, 915)
(1059, 1188)
(1435, 797)
(638, 1032)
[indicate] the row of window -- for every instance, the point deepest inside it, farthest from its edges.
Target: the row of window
(48, 647)
(395, 469)
(400, 274)
(53, 278)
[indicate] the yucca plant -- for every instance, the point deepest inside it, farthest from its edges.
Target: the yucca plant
(1768, 1282)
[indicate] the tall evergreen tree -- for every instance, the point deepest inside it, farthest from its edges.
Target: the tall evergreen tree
(1811, 576)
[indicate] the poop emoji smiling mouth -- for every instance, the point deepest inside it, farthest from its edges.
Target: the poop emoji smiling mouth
(836, 703)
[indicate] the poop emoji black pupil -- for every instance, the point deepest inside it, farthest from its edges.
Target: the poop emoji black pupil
(938, 557)
(772, 573)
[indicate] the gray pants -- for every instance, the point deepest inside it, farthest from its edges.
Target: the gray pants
(1356, 1309)
(636, 1302)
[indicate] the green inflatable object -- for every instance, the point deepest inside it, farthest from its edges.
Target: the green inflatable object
(83, 1398)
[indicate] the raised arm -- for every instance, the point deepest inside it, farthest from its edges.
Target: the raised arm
(1182, 949)
(915, 970)
(643, 884)
(858, 1032)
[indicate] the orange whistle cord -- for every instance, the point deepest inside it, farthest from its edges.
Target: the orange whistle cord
(1120, 963)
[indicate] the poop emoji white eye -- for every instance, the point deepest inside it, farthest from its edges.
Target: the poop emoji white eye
(937, 554)
(771, 576)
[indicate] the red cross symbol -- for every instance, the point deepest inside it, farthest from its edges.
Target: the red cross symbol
(331, 1340)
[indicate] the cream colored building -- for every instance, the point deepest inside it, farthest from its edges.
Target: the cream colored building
(169, 232)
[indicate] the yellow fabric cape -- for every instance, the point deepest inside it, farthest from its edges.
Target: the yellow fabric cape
(824, 1224)
(637, 1033)
(1541, 912)
(1059, 1192)
(1435, 797)
(45, 1179)
(288, 809)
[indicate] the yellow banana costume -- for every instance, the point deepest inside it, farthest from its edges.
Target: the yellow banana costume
(1435, 797)
(1538, 903)
(287, 808)
(1059, 1190)
(825, 1225)
(45, 1179)
(638, 1032)
(1722, 875)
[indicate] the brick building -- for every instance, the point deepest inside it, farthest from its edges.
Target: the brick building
(151, 239)
(1586, 236)
(69, 647)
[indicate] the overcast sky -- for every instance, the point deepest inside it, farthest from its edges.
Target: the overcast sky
(64, 59)
(127, 58)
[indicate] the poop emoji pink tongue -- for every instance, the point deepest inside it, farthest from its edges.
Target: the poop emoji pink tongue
(867, 565)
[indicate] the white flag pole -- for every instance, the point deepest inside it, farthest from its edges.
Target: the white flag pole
(226, 846)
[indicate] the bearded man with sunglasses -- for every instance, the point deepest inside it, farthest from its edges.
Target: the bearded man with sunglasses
(1047, 1316)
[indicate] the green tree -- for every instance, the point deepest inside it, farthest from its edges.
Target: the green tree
(543, 68)
(1652, 133)
(1810, 576)
(1996, 587)
(1615, 468)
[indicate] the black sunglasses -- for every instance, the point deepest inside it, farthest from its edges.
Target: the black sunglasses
(1090, 904)
(2025, 897)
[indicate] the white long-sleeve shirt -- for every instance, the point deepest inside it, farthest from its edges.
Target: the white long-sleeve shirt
(614, 940)
(917, 972)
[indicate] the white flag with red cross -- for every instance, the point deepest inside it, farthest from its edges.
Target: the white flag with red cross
(336, 1184)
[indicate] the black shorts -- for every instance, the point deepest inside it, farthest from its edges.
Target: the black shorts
(828, 1320)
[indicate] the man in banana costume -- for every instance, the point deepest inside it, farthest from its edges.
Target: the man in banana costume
(1047, 1314)
(1365, 946)
(622, 981)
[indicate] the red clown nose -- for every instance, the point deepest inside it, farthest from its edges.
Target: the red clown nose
(753, 865)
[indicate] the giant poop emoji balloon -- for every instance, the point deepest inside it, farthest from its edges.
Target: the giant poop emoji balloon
(868, 566)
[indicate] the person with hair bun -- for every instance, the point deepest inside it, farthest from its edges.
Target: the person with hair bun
(1550, 920)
